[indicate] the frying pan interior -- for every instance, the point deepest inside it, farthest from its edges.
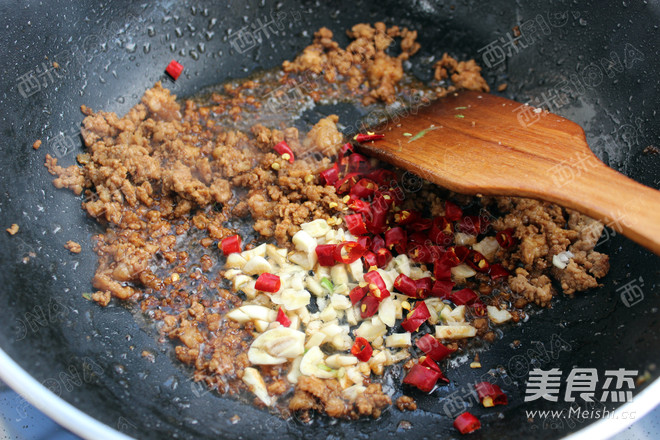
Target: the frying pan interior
(593, 63)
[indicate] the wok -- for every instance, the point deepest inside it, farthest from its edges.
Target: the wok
(83, 364)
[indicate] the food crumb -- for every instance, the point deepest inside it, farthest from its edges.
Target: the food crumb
(13, 229)
(72, 246)
(502, 87)
(36, 144)
(148, 356)
(406, 403)
(235, 419)
(56, 64)
(651, 149)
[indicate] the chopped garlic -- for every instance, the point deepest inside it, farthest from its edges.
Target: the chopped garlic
(397, 340)
(488, 247)
(370, 331)
(455, 331)
(256, 384)
(457, 315)
(257, 265)
(235, 261)
(462, 271)
(304, 242)
(317, 228)
(276, 346)
(498, 316)
(338, 274)
(562, 259)
(313, 362)
(387, 311)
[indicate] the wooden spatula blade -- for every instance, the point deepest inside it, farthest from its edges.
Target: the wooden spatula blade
(478, 143)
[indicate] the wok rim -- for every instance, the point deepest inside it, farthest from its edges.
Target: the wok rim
(56, 408)
(88, 427)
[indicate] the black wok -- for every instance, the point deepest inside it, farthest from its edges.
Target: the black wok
(110, 52)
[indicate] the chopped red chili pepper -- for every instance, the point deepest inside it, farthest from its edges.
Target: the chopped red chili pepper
(363, 188)
(423, 287)
(466, 423)
(267, 282)
(347, 182)
(490, 394)
(326, 254)
(365, 241)
(379, 210)
(442, 231)
(505, 238)
(479, 308)
(432, 348)
(347, 148)
(406, 217)
(368, 306)
(359, 206)
(498, 271)
(370, 260)
(420, 225)
(357, 294)
(422, 377)
(477, 261)
(382, 177)
(282, 318)
(394, 196)
(361, 137)
(231, 244)
(417, 237)
(283, 148)
(377, 286)
(383, 257)
(442, 270)
(331, 175)
(406, 285)
(362, 349)
(355, 224)
(441, 289)
(471, 224)
(377, 242)
(423, 253)
(416, 317)
(396, 238)
(430, 363)
(455, 255)
(358, 163)
(348, 252)
(452, 211)
(463, 296)
(174, 69)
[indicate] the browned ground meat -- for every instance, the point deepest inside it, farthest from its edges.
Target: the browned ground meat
(363, 61)
(74, 247)
(13, 229)
(406, 403)
(545, 230)
(464, 74)
(325, 394)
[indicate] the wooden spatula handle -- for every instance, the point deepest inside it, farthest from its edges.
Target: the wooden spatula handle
(627, 207)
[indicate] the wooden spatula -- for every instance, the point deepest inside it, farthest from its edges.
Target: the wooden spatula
(477, 143)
